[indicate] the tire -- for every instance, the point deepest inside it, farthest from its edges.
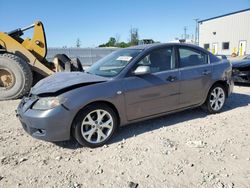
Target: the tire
(84, 125)
(20, 76)
(212, 101)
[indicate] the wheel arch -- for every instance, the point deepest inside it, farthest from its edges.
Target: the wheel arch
(109, 104)
(223, 83)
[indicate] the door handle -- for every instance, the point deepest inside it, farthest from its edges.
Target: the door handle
(206, 72)
(171, 78)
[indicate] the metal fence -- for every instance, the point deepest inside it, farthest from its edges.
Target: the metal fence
(87, 56)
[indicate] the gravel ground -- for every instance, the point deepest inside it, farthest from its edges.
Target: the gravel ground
(187, 149)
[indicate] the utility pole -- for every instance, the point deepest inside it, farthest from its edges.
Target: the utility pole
(196, 31)
(185, 32)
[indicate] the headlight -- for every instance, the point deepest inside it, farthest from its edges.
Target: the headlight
(46, 103)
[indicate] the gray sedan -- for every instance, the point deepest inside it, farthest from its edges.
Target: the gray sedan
(129, 85)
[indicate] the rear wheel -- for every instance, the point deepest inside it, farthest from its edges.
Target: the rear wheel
(95, 125)
(15, 77)
(215, 99)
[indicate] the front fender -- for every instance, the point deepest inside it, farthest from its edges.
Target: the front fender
(106, 92)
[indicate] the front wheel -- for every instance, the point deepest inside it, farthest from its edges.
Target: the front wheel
(95, 125)
(216, 99)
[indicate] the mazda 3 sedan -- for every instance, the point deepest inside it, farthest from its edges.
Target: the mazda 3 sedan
(127, 86)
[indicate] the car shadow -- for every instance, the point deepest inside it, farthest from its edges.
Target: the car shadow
(235, 100)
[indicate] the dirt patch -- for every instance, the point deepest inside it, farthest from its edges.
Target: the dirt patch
(187, 149)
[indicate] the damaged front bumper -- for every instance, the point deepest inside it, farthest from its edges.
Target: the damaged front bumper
(50, 125)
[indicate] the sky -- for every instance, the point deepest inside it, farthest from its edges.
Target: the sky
(95, 21)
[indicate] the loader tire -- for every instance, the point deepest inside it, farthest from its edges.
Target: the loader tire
(15, 77)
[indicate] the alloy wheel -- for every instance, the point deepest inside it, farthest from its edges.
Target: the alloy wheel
(97, 126)
(217, 98)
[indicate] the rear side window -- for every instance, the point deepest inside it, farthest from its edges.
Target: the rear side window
(191, 57)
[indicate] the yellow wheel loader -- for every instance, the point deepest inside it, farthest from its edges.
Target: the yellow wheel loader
(23, 62)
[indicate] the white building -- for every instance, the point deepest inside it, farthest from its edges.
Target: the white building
(226, 34)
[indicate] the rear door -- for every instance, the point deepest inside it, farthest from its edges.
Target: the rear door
(195, 75)
(153, 93)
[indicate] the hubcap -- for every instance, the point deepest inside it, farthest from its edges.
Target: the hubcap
(6, 79)
(217, 98)
(97, 126)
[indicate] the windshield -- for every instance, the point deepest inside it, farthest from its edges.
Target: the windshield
(114, 63)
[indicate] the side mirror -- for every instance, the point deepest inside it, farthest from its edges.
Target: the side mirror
(142, 70)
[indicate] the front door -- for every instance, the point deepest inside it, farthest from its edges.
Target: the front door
(195, 76)
(153, 93)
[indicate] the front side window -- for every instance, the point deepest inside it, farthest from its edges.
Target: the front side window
(191, 57)
(114, 63)
(159, 60)
(225, 46)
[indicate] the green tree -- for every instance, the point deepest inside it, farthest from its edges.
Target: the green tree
(122, 45)
(111, 42)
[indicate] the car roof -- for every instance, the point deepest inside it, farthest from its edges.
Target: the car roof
(155, 45)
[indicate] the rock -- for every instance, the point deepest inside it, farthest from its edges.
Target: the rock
(248, 159)
(167, 152)
(58, 158)
(123, 141)
(196, 144)
(44, 162)
(234, 156)
(168, 143)
(105, 146)
(76, 185)
(120, 146)
(4, 160)
(1, 177)
(220, 185)
(132, 184)
(147, 175)
(22, 160)
(99, 171)
(230, 185)
(67, 159)
(138, 163)
(163, 180)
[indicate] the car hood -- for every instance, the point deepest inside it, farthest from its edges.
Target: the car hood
(240, 63)
(65, 81)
